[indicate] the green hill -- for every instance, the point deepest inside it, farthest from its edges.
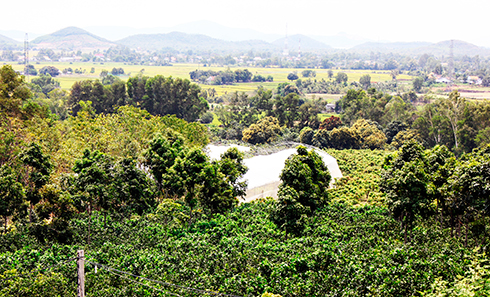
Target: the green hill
(8, 43)
(419, 48)
(72, 38)
(298, 41)
(459, 47)
(183, 41)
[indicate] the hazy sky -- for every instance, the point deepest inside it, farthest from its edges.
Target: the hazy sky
(415, 20)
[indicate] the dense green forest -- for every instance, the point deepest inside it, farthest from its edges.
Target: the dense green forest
(121, 173)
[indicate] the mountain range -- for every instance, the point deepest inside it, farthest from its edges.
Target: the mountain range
(209, 36)
(7, 42)
(182, 41)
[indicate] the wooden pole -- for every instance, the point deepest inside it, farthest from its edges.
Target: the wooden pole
(81, 273)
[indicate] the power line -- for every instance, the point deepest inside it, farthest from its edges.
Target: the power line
(124, 275)
(161, 282)
(143, 284)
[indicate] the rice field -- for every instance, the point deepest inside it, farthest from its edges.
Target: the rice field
(182, 71)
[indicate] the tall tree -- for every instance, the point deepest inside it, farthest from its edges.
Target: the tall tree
(305, 181)
(286, 109)
(365, 81)
(453, 110)
(161, 156)
(11, 194)
(37, 168)
(13, 91)
(470, 183)
(222, 186)
(405, 181)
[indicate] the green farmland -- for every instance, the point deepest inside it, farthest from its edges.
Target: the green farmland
(182, 71)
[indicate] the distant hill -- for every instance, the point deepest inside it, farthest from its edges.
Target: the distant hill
(459, 48)
(218, 31)
(341, 40)
(389, 46)
(183, 41)
(306, 43)
(208, 28)
(419, 48)
(8, 43)
(72, 38)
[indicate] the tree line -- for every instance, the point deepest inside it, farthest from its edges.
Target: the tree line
(227, 77)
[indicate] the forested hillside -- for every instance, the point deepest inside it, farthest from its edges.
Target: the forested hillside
(119, 170)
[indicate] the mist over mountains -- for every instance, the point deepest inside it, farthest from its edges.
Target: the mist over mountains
(210, 36)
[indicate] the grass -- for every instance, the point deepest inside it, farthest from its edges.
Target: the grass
(216, 122)
(329, 98)
(323, 116)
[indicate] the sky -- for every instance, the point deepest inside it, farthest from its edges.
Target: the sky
(384, 20)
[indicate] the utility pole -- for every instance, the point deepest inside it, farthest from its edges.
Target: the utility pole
(81, 273)
(26, 56)
(451, 60)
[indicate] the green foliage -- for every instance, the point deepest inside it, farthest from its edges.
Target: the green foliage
(11, 193)
(38, 168)
(361, 170)
(341, 77)
(405, 182)
(125, 134)
(222, 186)
(417, 83)
(365, 81)
(368, 133)
(50, 284)
(111, 186)
(285, 88)
(308, 73)
(358, 104)
(207, 118)
(331, 123)
(157, 95)
(222, 77)
(404, 137)
(292, 76)
(470, 182)
(483, 137)
(286, 109)
(173, 96)
(475, 282)
(306, 173)
(289, 214)
(13, 91)
(343, 138)
(343, 251)
(319, 86)
(46, 83)
(30, 70)
(92, 183)
(238, 113)
(321, 139)
(186, 176)
(452, 121)
(161, 155)
(305, 180)
(265, 131)
(393, 128)
(51, 70)
(306, 135)
(398, 110)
